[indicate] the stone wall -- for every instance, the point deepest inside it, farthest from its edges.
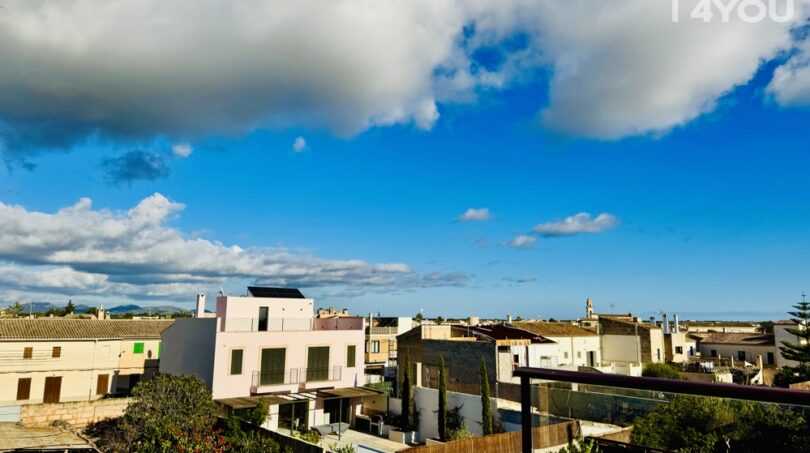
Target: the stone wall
(77, 414)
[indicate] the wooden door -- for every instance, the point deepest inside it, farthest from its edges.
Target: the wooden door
(53, 388)
(103, 384)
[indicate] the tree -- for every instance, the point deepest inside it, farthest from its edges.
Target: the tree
(660, 370)
(406, 397)
(439, 320)
(69, 308)
(16, 309)
(701, 424)
(799, 352)
(486, 409)
(418, 317)
(442, 400)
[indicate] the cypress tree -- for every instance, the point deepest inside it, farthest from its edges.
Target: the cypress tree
(800, 351)
(486, 409)
(442, 400)
(406, 397)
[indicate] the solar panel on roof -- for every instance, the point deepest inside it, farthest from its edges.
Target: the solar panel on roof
(282, 293)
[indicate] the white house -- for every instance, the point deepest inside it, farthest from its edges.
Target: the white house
(269, 344)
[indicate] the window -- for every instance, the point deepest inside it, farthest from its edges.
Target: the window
(678, 349)
(741, 355)
(53, 389)
(375, 346)
(28, 352)
(658, 354)
(714, 353)
(770, 358)
(264, 315)
(102, 384)
(579, 354)
(566, 354)
(138, 348)
(350, 356)
(23, 389)
(236, 361)
(56, 352)
(272, 366)
(318, 363)
(691, 350)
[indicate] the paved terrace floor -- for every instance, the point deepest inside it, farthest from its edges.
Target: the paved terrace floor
(353, 438)
(14, 436)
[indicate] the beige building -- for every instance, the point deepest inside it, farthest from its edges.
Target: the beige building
(577, 346)
(627, 340)
(739, 346)
(381, 339)
(51, 360)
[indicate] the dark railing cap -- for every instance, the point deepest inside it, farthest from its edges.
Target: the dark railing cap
(742, 392)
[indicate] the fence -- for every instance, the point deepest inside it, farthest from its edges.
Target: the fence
(542, 437)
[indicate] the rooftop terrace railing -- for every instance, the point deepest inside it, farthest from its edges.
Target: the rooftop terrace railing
(734, 391)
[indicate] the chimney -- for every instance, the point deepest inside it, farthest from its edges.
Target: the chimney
(676, 327)
(665, 323)
(101, 313)
(200, 305)
(509, 319)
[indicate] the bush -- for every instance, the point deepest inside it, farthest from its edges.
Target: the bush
(176, 414)
(660, 370)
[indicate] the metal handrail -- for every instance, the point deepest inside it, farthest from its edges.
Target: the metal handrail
(742, 392)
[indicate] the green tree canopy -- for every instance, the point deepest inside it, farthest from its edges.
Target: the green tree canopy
(707, 425)
(660, 370)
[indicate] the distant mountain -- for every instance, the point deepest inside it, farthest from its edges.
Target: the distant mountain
(42, 307)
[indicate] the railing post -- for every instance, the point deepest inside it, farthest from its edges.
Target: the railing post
(526, 414)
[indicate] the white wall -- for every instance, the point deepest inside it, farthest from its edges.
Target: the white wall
(573, 351)
(296, 344)
(781, 335)
(426, 401)
(620, 348)
(188, 348)
(730, 350)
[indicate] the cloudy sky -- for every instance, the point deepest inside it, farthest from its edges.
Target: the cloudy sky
(459, 156)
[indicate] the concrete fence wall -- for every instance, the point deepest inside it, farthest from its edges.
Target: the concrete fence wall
(77, 414)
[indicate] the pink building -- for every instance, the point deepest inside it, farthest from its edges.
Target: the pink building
(269, 345)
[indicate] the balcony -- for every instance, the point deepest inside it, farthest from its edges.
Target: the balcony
(381, 331)
(290, 324)
(295, 376)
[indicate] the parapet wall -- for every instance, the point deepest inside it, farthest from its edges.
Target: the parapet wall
(77, 414)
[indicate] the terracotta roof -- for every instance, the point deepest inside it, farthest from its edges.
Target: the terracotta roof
(555, 329)
(736, 338)
(47, 328)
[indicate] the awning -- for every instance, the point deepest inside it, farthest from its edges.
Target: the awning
(253, 401)
(349, 392)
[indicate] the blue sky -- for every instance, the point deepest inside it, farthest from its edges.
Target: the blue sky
(711, 208)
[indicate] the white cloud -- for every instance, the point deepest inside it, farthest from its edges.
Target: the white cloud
(618, 68)
(300, 144)
(134, 254)
(475, 215)
(523, 241)
(182, 150)
(790, 85)
(577, 224)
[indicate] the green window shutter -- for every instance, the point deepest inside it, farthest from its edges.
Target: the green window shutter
(236, 361)
(138, 348)
(318, 363)
(160, 345)
(350, 356)
(272, 366)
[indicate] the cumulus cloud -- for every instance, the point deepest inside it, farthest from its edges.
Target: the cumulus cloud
(475, 215)
(182, 150)
(134, 254)
(790, 85)
(577, 224)
(133, 166)
(523, 241)
(300, 144)
(191, 68)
